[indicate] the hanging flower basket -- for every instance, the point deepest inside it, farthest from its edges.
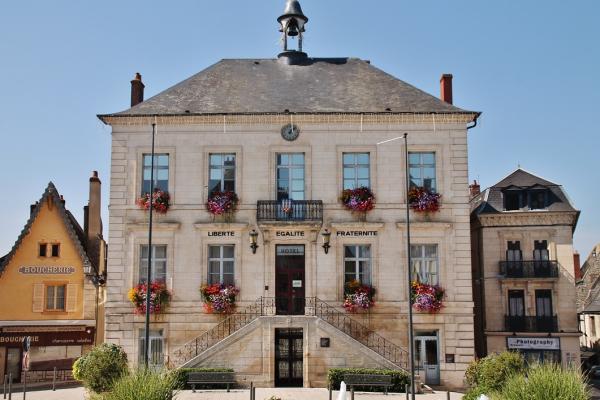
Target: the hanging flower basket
(160, 201)
(423, 200)
(359, 200)
(358, 296)
(219, 298)
(222, 203)
(427, 298)
(159, 297)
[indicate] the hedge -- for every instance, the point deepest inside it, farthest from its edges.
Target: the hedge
(182, 374)
(400, 379)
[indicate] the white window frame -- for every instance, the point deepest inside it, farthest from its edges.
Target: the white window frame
(221, 260)
(421, 166)
(357, 261)
(156, 337)
(424, 274)
(222, 168)
(143, 264)
(52, 305)
(356, 166)
(156, 169)
(290, 166)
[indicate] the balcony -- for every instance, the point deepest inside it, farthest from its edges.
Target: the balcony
(530, 324)
(289, 211)
(529, 269)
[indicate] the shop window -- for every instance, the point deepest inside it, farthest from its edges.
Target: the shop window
(55, 249)
(357, 264)
(55, 297)
(424, 261)
(221, 264)
(221, 173)
(156, 350)
(161, 172)
(356, 170)
(422, 170)
(158, 272)
(42, 250)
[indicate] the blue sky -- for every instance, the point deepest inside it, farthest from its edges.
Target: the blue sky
(533, 68)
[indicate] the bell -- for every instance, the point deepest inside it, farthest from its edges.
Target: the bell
(292, 30)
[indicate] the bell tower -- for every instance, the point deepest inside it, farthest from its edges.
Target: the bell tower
(292, 24)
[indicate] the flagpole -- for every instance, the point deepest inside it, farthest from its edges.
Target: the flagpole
(149, 272)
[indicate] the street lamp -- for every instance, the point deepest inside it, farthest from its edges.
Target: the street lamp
(411, 343)
(326, 238)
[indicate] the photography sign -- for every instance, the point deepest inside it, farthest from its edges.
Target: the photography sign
(46, 270)
(533, 343)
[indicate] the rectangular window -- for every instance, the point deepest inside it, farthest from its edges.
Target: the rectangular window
(43, 248)
(543, 303)
(221, 264)
(55, 297)
(158, 272)
(540, 250)
(424, 260)
(55, 250)
(161, 172)
(512, 200)
(156, 352)
(422, 170)
(357, 264)
(537, 199)
(290, 176)
(221, 173)
(516, 303)
(513, 251)
(356, 170)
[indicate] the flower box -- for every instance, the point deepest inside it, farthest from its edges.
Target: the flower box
(219, 298)
(423, 200)
(222, 203)
(160, 201)
(427, 298)
(360, 200)
(159, 297)
(358, 296)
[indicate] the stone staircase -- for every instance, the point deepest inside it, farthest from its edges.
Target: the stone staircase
(267, 307)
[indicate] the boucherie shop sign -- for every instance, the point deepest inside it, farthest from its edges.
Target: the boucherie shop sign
(46, 270)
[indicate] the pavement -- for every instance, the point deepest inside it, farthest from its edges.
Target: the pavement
(261, 394)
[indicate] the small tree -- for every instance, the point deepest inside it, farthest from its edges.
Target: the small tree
(490, 373)
(99, 368)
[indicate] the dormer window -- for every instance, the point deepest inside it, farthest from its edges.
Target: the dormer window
(512, 200)
(537, 199)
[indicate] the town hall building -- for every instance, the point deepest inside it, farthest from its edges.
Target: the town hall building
(280, 183)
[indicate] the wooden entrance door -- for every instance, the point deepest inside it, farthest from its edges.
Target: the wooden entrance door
(289, 357)
(289, 280)
(13, 363)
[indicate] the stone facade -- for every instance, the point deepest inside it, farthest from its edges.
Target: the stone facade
(522, 296)
(187, 226)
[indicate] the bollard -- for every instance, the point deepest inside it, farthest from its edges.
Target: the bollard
(4, 386)
(330, 390)
(447, 395)
(254, 393)
(54, 380)
(10, 386)
(352, 393)
(24, 384)
(251, 387)
(406, 391)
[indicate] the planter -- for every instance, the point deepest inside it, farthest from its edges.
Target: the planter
(358, 297)
(160, 201)
(159, 297)
(427, 298)
(222, 205)
(219, 298)
(424, 201)
(360, 201)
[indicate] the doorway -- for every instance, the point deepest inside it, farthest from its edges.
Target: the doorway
(289, 355)
(427, 357)
(13, 363)
(289, 280)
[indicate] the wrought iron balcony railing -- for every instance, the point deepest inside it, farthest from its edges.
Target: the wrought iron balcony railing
(530, 324)
(529, 269)
(289, 211)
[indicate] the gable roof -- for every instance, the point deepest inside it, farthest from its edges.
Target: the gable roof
(73, 228)
(492, 199)
(269, 86)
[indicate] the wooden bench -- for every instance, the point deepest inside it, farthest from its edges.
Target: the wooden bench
(353, 380)
(210, 378)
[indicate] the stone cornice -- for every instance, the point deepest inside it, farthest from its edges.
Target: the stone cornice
(529, 219)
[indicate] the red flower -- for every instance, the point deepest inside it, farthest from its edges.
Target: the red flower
(160, 201)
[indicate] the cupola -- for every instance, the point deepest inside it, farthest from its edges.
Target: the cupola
(292, 24)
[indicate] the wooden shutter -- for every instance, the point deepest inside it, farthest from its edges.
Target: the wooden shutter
(71, 297)
(38, 298)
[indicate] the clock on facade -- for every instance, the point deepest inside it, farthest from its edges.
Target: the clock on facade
(290, 132)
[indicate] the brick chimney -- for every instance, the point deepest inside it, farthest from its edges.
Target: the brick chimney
(474, 189)
(577, 266)
(137, 90)
(93, 220)
(32, 208)
(446, 88)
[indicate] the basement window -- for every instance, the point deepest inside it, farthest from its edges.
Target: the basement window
(42, 250)
(56, 250)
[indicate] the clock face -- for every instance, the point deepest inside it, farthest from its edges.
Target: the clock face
(290, 132)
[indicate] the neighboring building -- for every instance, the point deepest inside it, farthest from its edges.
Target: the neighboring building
(51, 288)
(287, 135)
(523, 270)
(588, 307)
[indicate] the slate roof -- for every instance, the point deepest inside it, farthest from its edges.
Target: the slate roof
(73, 228)
(492, 200)
(268, 86)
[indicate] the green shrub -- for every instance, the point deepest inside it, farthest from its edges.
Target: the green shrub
(182, 374)
(544, 382)
(335, 376)
(99, 368)
(492, 371)
(475, 392)
(144, 384)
